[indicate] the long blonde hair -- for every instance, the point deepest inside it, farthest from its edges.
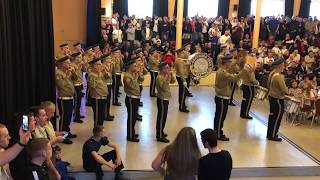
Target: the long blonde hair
(182, 155)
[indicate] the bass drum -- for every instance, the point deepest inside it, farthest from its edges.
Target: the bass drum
(200, 65)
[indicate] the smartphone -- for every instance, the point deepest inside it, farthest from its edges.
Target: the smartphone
(25, 123)
(65, 135)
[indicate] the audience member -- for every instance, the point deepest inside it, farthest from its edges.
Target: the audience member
(61, 166)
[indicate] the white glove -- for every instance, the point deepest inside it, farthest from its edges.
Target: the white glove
(185, 83)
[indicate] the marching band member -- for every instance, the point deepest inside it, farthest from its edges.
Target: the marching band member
(64, 51)
(182, 75)
(77, 48)
(186, 52)
(118, 65)
(132, 90)
(248, 82)
(277, 90)
(233, 70)
(108, 70)
(165, 77)
(223, 92)
(98, 91)
(154, 61)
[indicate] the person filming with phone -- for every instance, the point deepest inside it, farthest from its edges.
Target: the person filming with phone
(9, 154)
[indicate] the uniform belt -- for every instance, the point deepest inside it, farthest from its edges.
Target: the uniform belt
(154, 71)
(164, 99)
(282, 97)
(102, 97)
(247, 84)
(109, 83)
(65, 98)
(224, 97)
(78, 84)
(135, 97)
(118, 73)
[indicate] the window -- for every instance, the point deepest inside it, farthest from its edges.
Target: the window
(140, 8)
(206, 8)
(269, 7)
(314, 8)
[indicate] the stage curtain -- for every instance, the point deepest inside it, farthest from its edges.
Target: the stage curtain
(244, 8)
(93, 22)
(185, 8)
(223, 9)
(305, 8)
(289, 7)
(121, 7)
(26, 56)
(160, 7)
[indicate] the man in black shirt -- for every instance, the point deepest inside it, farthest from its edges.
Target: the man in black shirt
(218, 163)
(92, 161)
(40, 151)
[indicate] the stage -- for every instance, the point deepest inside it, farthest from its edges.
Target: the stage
(248, 145)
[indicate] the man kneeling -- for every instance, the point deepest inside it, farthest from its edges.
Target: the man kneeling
(92, 160)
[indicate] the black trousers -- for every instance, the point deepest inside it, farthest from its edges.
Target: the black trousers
(132, 105)
(182, 94)
(162, 116)
(233, 85)
(77, 101)
(141, 88)
(248, 94)
(115, 85)
(275, 116)
(220, 114)
(188, 80)
(108, 101)
(65, 109)
(109, 156)
(153, 83)
(99, 109)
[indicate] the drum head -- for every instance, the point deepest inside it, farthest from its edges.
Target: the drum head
(200, 65)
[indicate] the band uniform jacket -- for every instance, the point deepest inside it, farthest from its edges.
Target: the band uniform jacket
(153, 63)
(277, 85)
(118, 65)
(76, 73)
(64, 84)
(163, 87)
(223, 82)
(181, 66)
(130, 85)
(97, 85)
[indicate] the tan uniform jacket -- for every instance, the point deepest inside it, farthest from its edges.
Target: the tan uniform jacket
(97, 85)
(64, 84)
(76, 74)
(163, 87)
(108, 68)
(277, 85)
(181, 68)
(131, 85)
(223, 82)
(118, 65)
(249, 78)
(153, 64)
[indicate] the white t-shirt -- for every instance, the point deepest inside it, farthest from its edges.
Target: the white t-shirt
(117, 34)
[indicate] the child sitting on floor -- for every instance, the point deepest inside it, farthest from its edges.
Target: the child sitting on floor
(61, 166)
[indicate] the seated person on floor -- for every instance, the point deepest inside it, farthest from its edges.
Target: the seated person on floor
(61, 166)
(92, 160)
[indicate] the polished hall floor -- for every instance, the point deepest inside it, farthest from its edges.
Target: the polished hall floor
(248, 146)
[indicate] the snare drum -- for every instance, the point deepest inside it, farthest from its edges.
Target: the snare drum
(260, 93)
(291, 105)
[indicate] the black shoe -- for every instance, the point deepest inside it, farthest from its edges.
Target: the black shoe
(275, 139)
(165, 135)
(111, 116)
(136, 135)
(78, 121)
(232, 104)
(140, 104)
(139, 118)
(246, 117)
(184, 110)
(71, 135)
(67, 141)
(108, 118)
(81, 116)
(154, 95)
(88, 104)
(133, 139)
(223, 138)
(164, 140)
(119, 93)
(189, 95)
(116, 104)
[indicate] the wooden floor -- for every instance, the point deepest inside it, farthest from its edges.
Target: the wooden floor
(248, 145)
